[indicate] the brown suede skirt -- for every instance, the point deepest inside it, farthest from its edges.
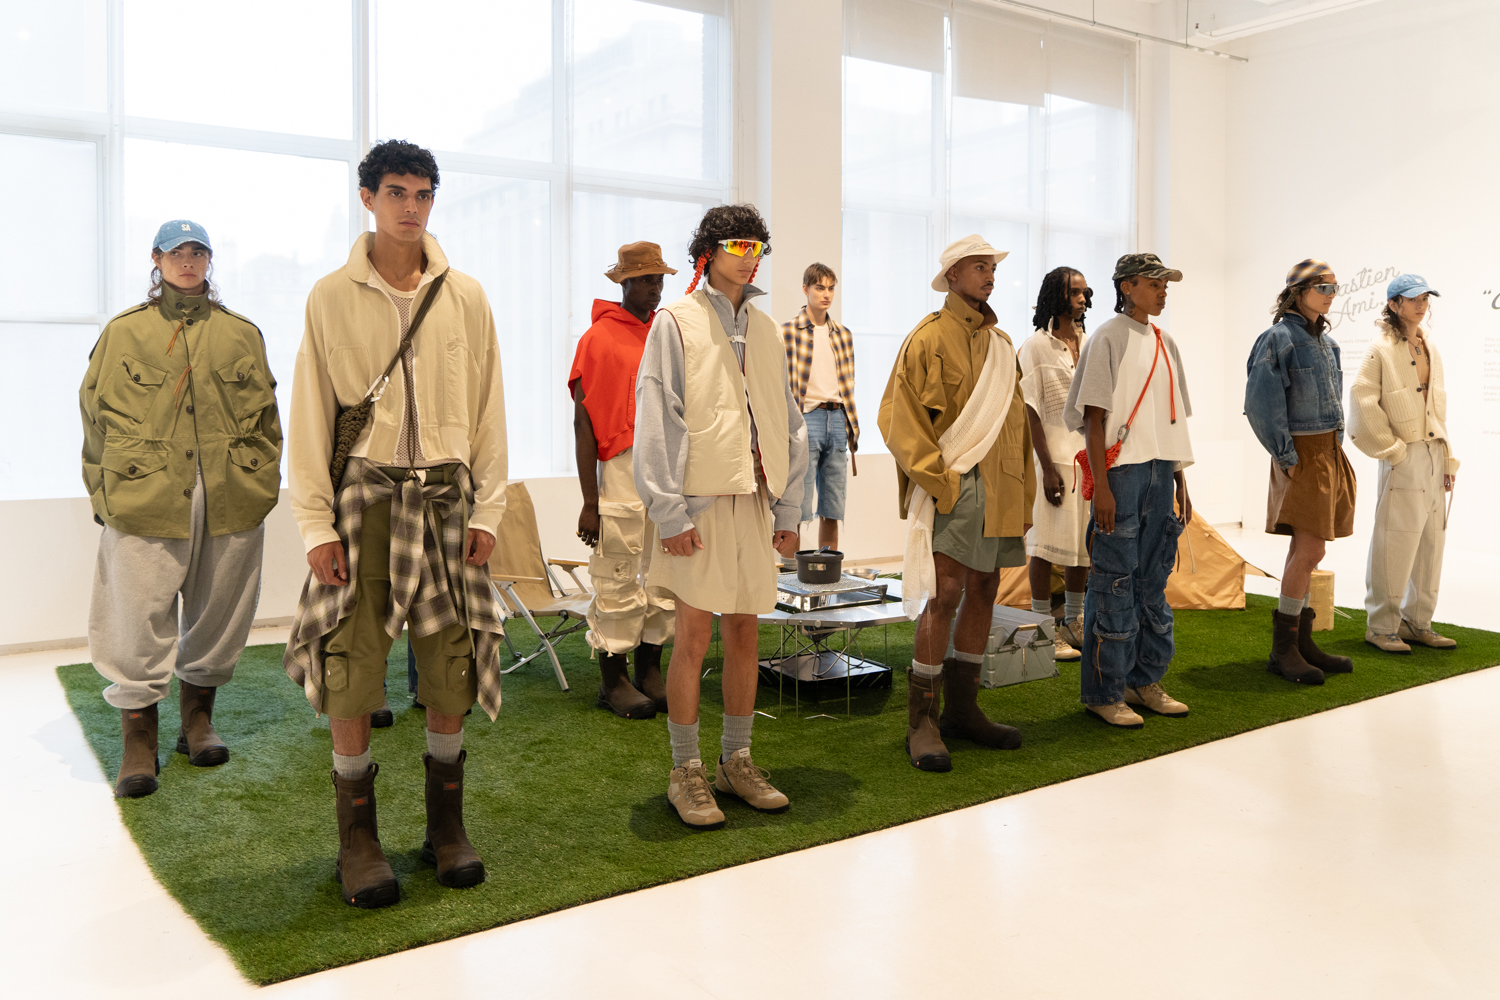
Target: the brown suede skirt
(1317, 494)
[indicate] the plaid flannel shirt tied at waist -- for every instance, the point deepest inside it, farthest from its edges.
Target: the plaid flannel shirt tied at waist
(798, 335)
(432, 586)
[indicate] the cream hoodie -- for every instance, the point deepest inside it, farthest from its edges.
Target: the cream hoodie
(352, 332)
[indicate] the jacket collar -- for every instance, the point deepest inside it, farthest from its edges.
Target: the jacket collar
(175, 305)
(804, 320)
(972, 319)
(616, 311)
(750, 292)
(358, 265)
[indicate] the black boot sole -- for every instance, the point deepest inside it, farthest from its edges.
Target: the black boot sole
(212, 757)
(639, 713)
(137, 786)
(935, 763)
(464, 876)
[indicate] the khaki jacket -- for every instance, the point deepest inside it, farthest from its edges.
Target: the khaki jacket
(168, 388)
(935, 372)
(1386, 412)
(352, 333)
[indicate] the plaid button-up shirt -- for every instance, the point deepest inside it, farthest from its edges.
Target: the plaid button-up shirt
(798, 335)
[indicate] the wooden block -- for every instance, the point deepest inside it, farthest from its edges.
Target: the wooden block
(1322, 600)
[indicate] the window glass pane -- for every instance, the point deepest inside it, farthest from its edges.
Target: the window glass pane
(888, 129)
(645, 89)
(1015, 291)
(62, 202)
(1095, 256)
(1088, 163)
(992, 161)
(41, 395)
(498, 230)
(602, 223)
(52, 56)
(274, 65)
(469, 76)
(278, 224)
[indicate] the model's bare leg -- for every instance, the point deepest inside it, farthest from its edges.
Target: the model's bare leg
(694, 631)
(828, 533)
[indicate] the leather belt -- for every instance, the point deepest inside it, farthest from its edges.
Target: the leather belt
(829, 406)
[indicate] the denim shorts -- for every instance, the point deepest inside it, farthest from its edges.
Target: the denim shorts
(827, 464)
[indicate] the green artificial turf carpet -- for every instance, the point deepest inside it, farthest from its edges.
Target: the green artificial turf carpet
(567, 803)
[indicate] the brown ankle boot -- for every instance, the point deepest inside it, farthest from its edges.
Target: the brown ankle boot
(616, 692)
(363, 872)
(962, 718)
(197, 737)
(139, 766)
(648, 679)
(924, 745)
(1285, 660)
(1312, 655)
(447, 845)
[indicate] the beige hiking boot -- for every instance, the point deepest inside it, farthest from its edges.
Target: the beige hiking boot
(1119, 714)
(1425, 636)
(1071, 631)
(1063, 650)
(1390, 642)
(689, 793)
(739, 776)
(1153, 697)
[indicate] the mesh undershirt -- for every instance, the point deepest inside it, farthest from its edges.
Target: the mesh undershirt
(408, 448)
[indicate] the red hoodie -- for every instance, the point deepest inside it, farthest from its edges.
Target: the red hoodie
(608, 356)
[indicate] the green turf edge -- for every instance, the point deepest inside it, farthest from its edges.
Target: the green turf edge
(276, 946)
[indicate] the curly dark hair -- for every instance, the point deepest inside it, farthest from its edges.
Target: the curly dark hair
(1052, 299)
(396, 156)
(727, 222)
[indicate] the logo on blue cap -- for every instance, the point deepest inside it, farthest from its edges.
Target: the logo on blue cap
(180, 231)
(1408, 286)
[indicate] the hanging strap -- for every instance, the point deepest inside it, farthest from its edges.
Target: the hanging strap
(1159, 353)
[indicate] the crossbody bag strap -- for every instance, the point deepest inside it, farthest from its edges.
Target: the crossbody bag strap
(1125, 431)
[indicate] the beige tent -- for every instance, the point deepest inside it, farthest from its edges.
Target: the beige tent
(1209, 574)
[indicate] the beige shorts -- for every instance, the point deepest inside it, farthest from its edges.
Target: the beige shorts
(735, 571)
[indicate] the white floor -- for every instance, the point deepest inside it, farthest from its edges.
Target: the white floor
(1349, 854)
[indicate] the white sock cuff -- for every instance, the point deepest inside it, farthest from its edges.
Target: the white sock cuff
(963, 657)
(926, 669)
(355, 766)
(445, 747)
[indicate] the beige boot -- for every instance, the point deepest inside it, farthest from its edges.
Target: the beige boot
(1119, 715)
(139, 766)
(197, 738)
(924, 743)
(1426, 636)
(689, 793)
(740, 777)
(1153, 697)
(1389, 642)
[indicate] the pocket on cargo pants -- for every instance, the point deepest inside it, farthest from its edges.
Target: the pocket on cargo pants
(615, 564)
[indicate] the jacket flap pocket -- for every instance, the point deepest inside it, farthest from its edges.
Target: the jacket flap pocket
(238, 370)
(253, 456)
(133, 464)
(141, 373)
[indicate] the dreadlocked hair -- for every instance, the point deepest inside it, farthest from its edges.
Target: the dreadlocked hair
(697, 274)
(1052, 299)
(1287, 302)
(725, 222)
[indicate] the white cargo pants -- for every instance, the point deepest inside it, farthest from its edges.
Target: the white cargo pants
(1406, 547)
(625, 612)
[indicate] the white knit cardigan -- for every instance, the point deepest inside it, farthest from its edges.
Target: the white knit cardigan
(1385, 408)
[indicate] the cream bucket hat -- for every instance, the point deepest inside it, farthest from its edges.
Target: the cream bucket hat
(972, 245)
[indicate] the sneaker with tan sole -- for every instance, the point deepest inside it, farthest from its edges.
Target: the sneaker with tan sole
(1063, 650)
(1071, 630)
(740, 777)
(1390, 642)
(1426, 636)
(689, 793)
(1153, 697)
(1119, 715)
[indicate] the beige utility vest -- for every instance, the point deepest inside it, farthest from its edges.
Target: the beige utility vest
(719, 460)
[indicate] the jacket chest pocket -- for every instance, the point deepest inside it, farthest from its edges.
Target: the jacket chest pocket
(244, 387)
(133, 388)
(1304, 393)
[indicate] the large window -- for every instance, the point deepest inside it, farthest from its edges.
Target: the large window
(960, 119)
(563, 128)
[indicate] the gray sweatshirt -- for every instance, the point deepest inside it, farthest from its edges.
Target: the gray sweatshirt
(661, 434)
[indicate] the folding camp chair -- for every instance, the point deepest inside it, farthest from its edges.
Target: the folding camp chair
(527, 587)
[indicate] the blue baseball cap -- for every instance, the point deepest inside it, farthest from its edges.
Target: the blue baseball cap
(180, 231)
(1408, 286)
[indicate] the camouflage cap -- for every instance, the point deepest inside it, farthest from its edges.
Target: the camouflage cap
(1144, 265)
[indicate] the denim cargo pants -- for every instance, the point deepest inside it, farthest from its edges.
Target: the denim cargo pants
(1126, 622)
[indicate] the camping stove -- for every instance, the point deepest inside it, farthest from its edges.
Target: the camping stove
(850, 591)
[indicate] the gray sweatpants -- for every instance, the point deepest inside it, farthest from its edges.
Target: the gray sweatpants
(152, 597)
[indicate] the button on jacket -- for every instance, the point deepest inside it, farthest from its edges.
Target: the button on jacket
(1386, 412)
(169, 387)
(1295, 385)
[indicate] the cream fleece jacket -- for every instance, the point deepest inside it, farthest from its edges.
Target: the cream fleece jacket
(351, 334)
(1386, 411)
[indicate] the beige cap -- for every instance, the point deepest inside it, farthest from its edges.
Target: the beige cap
(972, 245)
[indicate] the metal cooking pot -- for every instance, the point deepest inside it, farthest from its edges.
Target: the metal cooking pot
(823, 565)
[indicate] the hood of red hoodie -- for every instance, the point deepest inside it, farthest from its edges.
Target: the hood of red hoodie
(615, 311)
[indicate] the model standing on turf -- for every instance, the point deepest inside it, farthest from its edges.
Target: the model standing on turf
(955, 422)
(182, 462)
(1130, 389)
(1060, 515)
(402, 533)
(820, 367)
(720, 452)
(1398, 411)
(1294, 400)
(625, 614)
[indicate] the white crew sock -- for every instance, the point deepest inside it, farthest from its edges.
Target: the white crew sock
(353, 767)
(445, 747)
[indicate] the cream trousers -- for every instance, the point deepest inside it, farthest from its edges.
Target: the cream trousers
(1406, 548)
(625, 612)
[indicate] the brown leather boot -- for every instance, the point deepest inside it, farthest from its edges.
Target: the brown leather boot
(197, 737)
(962, 717)
(1285, 660)
(363, 872)
(616, 692)
(1312, 655)
(139, 766)
(447, 845)
(924, 745)
(648, 679)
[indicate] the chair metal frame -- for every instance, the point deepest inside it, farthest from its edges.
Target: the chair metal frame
(568, 619)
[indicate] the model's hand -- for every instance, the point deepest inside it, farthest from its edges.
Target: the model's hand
(329, 565)
(1184, 502)
(1052, 485)
(1448, 481)
(683, 544)
(588, 524)
(785, 542)
(481, 544)
(1104, 507)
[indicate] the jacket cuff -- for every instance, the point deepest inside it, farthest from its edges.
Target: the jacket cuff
(1452, 465)
(487, 518)
(315, 533)
(1286, 461)
(952, 483)
(785, 517)
(674, 525)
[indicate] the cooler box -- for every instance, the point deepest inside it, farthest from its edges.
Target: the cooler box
(1020, 648)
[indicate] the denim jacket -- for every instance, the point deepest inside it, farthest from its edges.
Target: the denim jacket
(1295, 385)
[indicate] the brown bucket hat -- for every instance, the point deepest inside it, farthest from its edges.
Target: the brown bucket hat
(637, 259)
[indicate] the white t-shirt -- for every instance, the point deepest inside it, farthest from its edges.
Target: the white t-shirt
(823, 377)
(1112, 370)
